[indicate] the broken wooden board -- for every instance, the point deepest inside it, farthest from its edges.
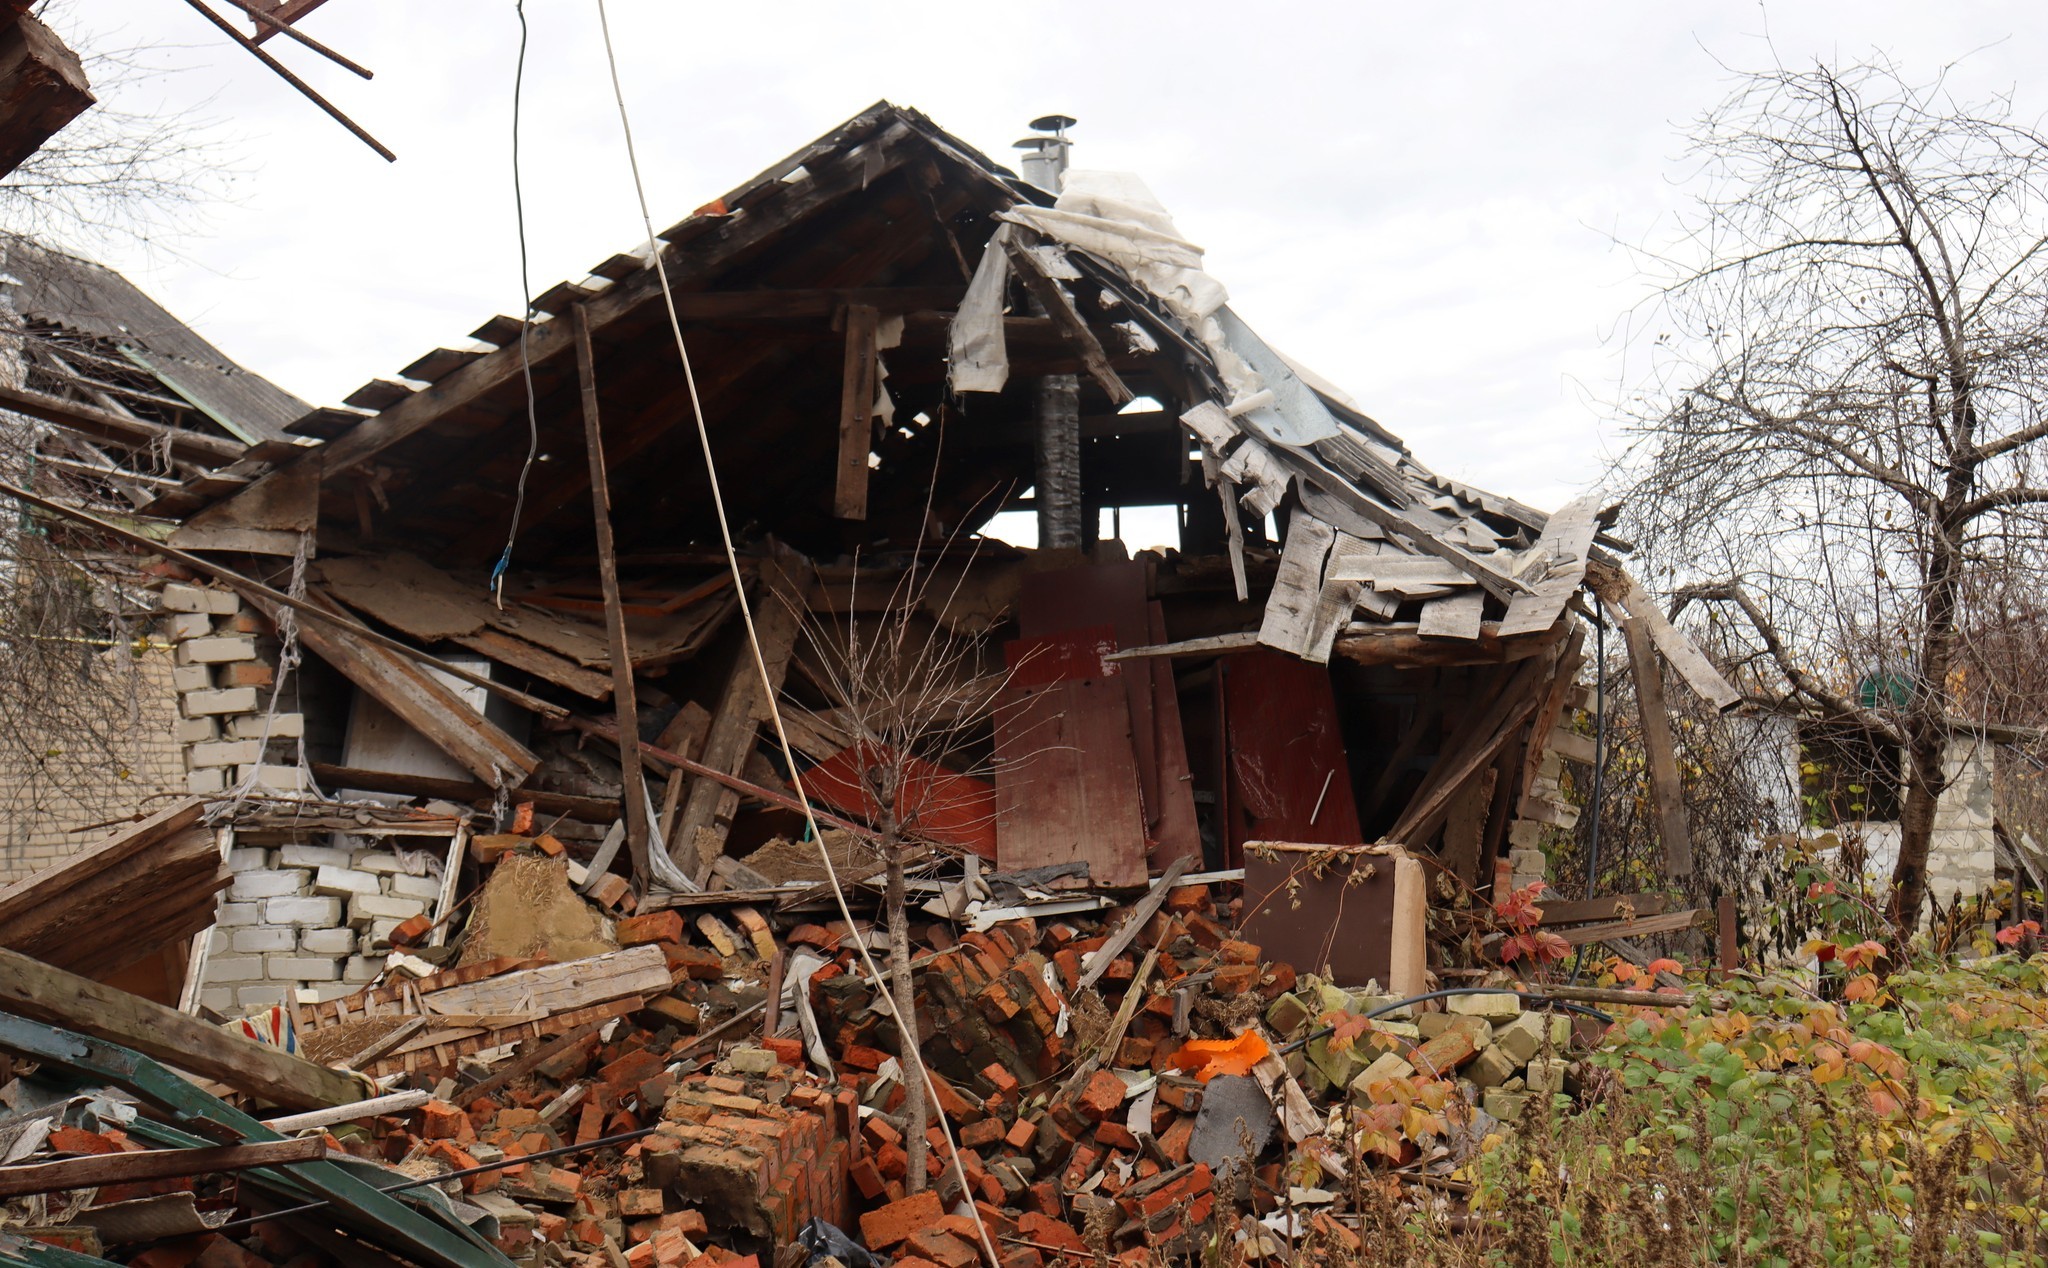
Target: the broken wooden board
(1331, 909)
(1066, 781)
(1453, 616)
(39, 992)
(1618, 588)
(1567, 539)
(158, 876)
(1290, 619)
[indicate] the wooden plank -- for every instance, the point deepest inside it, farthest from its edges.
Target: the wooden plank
(1565, 544)
(1330, 497)
(538, 661)
(583, 809)
(856, 414)
(625, 704)
(1453, 616)
(1298, 586)
(32, 989)
(1584, 910)
(1480, 742)
(154, 1164)
(1134, 922)
(1338, 600)
(1389, 566)
(102, 424)
(1214, 645)
(1669, 922)
(1659, 749)
(1617, 587)
(555, 988)
(1066, 779)
(1408, 941)
(850, 169)
(1060, 307)
(420, 700)
(698, 835)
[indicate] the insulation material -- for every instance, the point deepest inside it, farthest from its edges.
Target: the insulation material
(977, 353)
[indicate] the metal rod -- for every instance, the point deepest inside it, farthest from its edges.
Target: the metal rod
(285, 74)
(510, 1160)
(277, 24)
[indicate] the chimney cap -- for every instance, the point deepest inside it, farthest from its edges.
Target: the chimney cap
(1053, 123)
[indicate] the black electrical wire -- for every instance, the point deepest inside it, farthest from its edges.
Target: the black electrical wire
(525, 318)
(1533, 997)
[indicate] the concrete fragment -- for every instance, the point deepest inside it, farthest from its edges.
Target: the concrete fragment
(1491, 1068)
(1491, 1007)
(1521, 1038)
(1547, 1074)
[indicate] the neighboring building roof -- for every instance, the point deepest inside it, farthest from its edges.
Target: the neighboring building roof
(90, 302)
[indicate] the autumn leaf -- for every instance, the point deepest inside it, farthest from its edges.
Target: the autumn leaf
(2013, 935)
(1863, 953)
(1861, 988)
(1664, 966)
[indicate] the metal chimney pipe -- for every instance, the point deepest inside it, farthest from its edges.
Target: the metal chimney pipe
(1046, 155)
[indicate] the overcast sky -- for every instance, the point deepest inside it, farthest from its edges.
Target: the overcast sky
(1418, 201)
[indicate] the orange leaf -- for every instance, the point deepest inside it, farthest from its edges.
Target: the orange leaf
(1861, 988)
(1664, 966)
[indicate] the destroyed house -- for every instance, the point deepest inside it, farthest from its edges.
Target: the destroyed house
(893, 340)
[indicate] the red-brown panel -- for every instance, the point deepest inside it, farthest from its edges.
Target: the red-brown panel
(936, 804)
(1289, 778)
(1066, 781)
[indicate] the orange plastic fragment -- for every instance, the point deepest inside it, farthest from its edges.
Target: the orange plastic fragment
(1207, 1058)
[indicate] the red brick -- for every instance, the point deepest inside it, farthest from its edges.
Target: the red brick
(1033, 1226)
(1103, 1093)
(653, 926)
(438, 1121)
(944, 1248)
(639, 1203)
(888, 1225)
(1021, 1134)
(1002, 1079)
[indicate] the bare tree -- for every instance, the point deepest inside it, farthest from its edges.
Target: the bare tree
(907, 688)
(1842, 438)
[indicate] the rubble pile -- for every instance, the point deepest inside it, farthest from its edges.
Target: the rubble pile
(726, 1087)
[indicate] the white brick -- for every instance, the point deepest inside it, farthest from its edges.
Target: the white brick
(302, 968)
(379, 861)
(261, 996)
(323, 913)
(379, 932)
(201, 783)
(275, 778)
(267, 938)
(183, 625)
(425, 888)
(220, 999)
(248, 860)
(223, 753)
(362, 968)
(217, 649)
(283, 726)
(235, 968)
(296, 855)
(239, 914)
(364, 908)
(197, 730)
(327, 941)
(186, 678)
(267, 884)
(342, 882)
(199, 704)
(220, 941)
(183, 598)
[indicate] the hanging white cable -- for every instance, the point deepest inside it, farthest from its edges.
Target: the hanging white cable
(905, 1026)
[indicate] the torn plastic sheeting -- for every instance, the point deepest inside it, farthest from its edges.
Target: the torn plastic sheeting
(1207, 1058)
(150, 1219)
(979, 357)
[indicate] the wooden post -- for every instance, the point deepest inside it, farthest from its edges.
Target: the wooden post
(1726, 936)
(856, 414)
(1658, 747)
(633, 777)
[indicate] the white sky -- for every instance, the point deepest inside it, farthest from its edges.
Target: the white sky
(1417, 201)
